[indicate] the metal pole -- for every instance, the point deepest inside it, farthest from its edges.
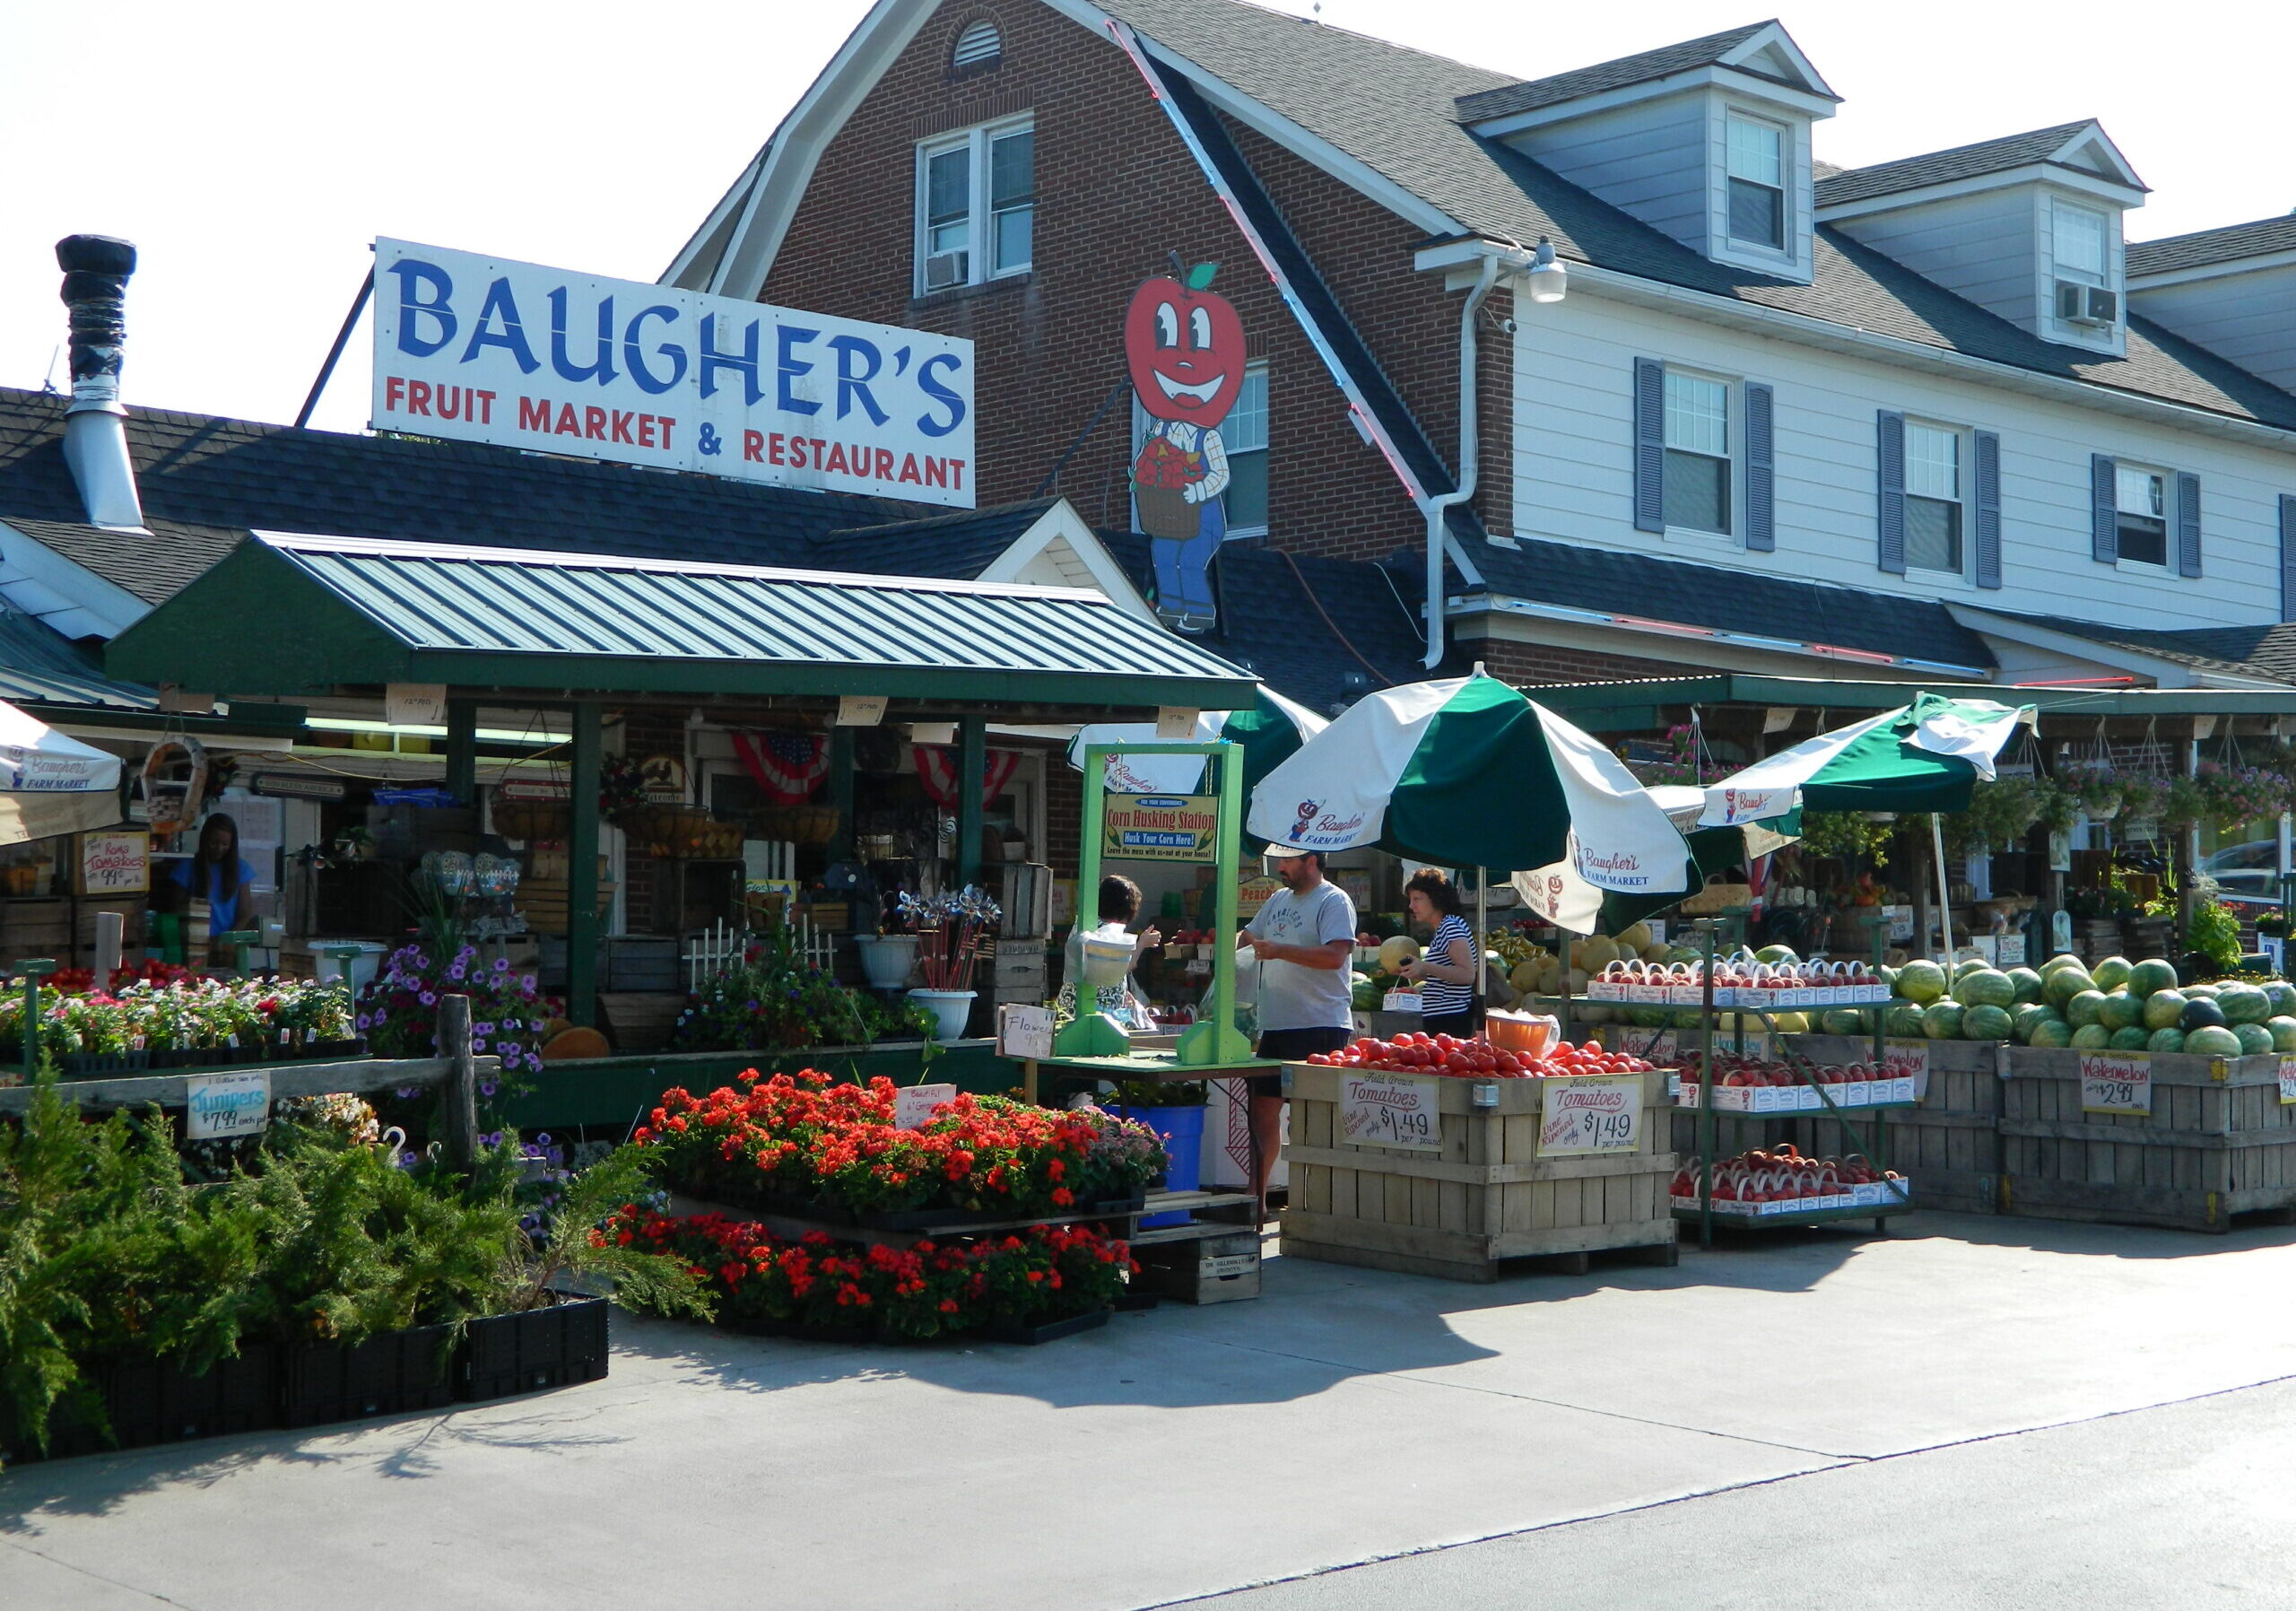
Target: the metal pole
(462, 750)
(1483, 927)
(334, 353)
(1706, 1096)
(1945, 890)
(840, 791)
(111, 929)
(972, 766)
(582, 871)
(36, 968)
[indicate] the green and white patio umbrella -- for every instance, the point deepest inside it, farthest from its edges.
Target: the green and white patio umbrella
(1925, 756)
(1714, 849)
(1270, 732)
(1466, 772)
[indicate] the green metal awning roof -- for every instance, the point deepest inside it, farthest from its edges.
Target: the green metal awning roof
(292, 615)
(1622, 705)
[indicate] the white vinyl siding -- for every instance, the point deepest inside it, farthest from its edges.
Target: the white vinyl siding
(1574, 469)
(975, 205)
(1983, 248)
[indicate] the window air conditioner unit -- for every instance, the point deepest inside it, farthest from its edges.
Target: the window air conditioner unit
(944, 269)
(2079, 304)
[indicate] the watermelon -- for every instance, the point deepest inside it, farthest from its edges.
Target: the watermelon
(1985, 1022)
(2283, 1032)
(1942, 1020)
(2121, 1010)
(2063, 959)
(2052, 1031)
(2064, 984)
(2204, 992)
(1969, 964)
(2256, 1040)
(2111, 974)
(2244, 1004)
(2150, 977)
(2166, 1040)
(1921, 980)
(2027, 983)
(2212, 1040)
(1985, 986)
(2022, 1019)
(1903, 1020)
(1649, 1017)
(2086, 1009)
(1844, 1021)
(2200, 1013)
(2283, 998)
(2132, 1038)
(1775, 953)
(2092, 1037)
(2163, 1008)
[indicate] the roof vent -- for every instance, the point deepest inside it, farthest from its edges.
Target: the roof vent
(977, 45)
(96, 268)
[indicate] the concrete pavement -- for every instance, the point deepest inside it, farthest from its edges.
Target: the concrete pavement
(1345, 1417)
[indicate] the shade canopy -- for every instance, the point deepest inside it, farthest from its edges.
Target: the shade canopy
(1925, 756)
(1466, 771)
(286, 615)
(51, 784)
(1271, 731)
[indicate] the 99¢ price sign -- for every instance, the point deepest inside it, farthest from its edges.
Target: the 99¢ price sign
(1590, 1113)
(1391, 1110)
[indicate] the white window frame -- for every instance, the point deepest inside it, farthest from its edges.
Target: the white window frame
(2168, 518)
(1733, 430)
(980, 217)
(1255, 367)
(1783, 247)
(1141, 420)
(2110, 274)
(1965, 476)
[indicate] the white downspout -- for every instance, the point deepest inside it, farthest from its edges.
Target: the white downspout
(1442, 504)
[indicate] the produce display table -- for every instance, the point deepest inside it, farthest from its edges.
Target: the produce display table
(2202, 1138)
(1483, 1191)
(1151, 1063)
(1950, 1144)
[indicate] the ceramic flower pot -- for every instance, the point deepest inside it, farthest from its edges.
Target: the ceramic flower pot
(887, 958)
(950, 1010)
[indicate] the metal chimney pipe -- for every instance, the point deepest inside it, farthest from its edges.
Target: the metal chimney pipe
(96, 268)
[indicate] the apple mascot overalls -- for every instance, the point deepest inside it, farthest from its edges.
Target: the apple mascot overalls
(1186, 349)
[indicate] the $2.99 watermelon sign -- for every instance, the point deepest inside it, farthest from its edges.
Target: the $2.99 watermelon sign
(2116, 1083)
(1590, 1113)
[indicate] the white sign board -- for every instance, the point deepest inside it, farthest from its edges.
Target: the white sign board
(414, 704)
(487, 349)
(1590, 1113)
(1024, 1030)
(224, 1105)
(2117, 1082)
(2288, 1081)
(914, 1105)
(1905, 1061)
(1391, 1110)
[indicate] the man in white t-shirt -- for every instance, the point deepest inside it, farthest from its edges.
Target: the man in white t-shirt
(1304, 938)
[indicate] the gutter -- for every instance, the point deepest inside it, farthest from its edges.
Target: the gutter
(1439, 507)
(1501, 604)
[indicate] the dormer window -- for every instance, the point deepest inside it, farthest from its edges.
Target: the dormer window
(1757, 180)
(2080, 245)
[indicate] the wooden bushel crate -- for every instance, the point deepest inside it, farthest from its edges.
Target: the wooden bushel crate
(2218, 1143)
(1949, 1146)
(1215, 1269)
(1486, 1196)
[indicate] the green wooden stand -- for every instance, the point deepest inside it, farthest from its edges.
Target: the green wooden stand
(1211, 1043)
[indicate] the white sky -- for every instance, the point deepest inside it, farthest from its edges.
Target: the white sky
(251, 149)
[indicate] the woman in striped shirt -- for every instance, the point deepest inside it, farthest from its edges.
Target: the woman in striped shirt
(1446, 973)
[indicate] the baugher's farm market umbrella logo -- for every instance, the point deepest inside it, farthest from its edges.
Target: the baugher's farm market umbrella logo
(1313, 822)
(1613, 870)
(1185, 348)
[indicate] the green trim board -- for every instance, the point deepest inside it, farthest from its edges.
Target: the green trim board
(1625, 705)
(340, 612)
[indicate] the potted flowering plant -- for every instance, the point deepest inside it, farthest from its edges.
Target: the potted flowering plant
(954, 931)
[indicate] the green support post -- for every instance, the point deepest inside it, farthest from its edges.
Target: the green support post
(582, 872)
(1706, 1086)
(36, 968)
(972, 768)
(1090, 1034)
(241, 941)
(462, 750)
(1217, 1042)
(840, 792)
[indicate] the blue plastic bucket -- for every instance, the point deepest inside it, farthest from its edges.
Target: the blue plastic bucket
(1182, 1129)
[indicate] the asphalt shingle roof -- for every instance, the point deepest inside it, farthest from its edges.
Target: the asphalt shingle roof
(2267, 650)
(2227, 244)
(1393, 110)
(1639, 68)
(153, 567)
(1728, 599)
(1944, 166)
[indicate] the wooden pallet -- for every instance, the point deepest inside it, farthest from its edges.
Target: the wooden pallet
(1485, 1197)
(2218, 1143)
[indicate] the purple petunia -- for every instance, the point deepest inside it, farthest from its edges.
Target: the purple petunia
(428, 999)
(486, 1087)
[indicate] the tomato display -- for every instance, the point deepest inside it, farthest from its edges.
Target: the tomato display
(1418, 1052)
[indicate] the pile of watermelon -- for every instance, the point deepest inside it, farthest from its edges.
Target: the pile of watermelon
(2118, 1006)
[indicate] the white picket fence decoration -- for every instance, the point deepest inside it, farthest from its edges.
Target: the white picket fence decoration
(714, 950)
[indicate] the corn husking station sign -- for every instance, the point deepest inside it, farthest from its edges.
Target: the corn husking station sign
(484, 350)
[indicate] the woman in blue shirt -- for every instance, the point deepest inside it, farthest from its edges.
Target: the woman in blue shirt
(216, 875)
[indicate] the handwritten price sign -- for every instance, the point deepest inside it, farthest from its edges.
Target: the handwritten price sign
(1392, 1110)
(225, 1105)
(2118, 1082)
(1590, 1113)
(914, 1105)
(2288, 1081)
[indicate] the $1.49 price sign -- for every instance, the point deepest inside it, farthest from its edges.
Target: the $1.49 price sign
(2117, 1082)
(1392, 1110)
(1589, 1113)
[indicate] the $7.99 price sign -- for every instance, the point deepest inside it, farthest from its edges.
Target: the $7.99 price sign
(1589, 1113)
(2116, 1083)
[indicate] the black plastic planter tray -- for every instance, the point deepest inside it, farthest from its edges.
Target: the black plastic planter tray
(921, 1219)
(526, 1353)
(1049, 1331)
(386, 1375)
(101, 1064)
(1116, 1207)
(150, 1402)
(319, 1051)
(802, 1331)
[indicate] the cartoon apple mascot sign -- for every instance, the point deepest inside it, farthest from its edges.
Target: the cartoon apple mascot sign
(1186, 349)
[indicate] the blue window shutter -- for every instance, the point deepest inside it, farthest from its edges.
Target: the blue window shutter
(1761, 525)
(2287, 557)
(1649, 445)
(1890, 455)
(2188, 525)
(2104, 509)
(1988, 510)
